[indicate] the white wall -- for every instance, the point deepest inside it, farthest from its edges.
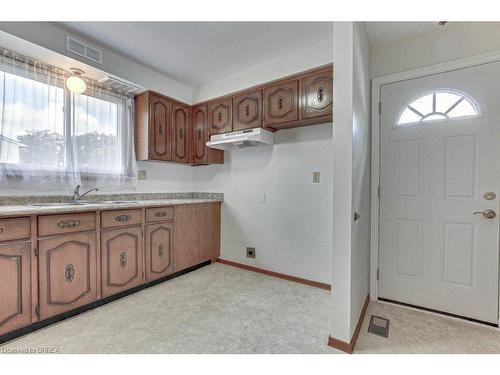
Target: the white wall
(53, 37)
(454, 41)
(315, 55)
(361, 162)
(291, 231)
(351, 178)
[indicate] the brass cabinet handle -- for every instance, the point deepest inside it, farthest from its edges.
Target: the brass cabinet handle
(161, 213)
(69, 273)
(160, 250)
(123, 259)
(320, 95)
(247, 110)
(1, 230)
(198, 132)
(121, 218)
(68, 224)
(181, 133)
(219, 116)
(280, 103)
(160, 130)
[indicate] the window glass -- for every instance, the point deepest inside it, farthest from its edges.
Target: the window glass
(437, 105)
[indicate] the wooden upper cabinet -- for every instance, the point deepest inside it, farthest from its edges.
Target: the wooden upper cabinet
(281, 103)
(152, 127)
(220, 116)
(15, 281)
(121, 259)
(247, 109)
(159, 250)
(160, 144)
(316, 91)
(200, 134)
(181, 133)
(67, 272)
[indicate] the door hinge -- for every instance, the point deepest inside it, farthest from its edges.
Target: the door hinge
(37, 310)
(378, 191)
(36, 251)
(378, 274)
(379, 108)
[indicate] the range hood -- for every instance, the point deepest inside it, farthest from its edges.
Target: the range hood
(241, 138)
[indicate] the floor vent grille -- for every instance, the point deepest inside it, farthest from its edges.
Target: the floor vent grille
(379, 326)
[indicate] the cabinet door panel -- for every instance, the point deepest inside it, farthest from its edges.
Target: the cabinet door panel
(159, 249)
(121, 259)
(247, 109)
(160, 137)
(281, 103)
(196, 234)
(200, 134)
(180, 126)
(317, 95)
(220, 116)
(67, 272)
(15, 282)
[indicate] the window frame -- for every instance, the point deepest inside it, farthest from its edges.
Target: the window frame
(465, 96)
(68, 132)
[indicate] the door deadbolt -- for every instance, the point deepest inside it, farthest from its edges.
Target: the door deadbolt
(489, 196)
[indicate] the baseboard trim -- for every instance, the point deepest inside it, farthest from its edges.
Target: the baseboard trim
(348, 347)
(283, 276)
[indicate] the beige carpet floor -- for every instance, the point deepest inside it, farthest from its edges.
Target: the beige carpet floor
(222, 309)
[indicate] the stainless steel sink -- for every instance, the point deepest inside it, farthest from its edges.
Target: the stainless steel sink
(55, 204)
(78, 203)
(116, 202)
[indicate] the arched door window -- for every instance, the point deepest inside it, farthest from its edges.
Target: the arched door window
(438, 105)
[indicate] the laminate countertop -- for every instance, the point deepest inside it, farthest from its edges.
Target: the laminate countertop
(40, 205)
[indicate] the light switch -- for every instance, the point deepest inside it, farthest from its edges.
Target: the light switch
(315, 177)
(141, 174)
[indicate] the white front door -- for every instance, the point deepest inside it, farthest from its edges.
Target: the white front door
(440, 155)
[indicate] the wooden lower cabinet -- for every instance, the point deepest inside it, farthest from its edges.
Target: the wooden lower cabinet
(67, 272)
(15, 286)
(159, 250)
(196, 234)
(121, 259)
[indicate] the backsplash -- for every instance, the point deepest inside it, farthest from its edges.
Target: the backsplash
(30, 199)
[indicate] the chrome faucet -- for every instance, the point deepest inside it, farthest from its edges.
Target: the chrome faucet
(77, 196)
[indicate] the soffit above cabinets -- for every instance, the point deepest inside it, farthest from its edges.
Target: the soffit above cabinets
(198, 52)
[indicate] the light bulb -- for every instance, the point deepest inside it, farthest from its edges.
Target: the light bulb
(76, 85)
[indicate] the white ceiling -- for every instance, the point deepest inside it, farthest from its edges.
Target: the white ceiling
(198, 52)
(381, 33)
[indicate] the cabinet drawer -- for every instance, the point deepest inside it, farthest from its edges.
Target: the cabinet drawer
(14, 229)
(159, 214)
(67, 223)
(119, 218)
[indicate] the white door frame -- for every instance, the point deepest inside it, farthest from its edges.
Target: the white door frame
(377, 84)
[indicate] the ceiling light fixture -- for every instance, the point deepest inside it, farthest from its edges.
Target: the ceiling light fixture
(75, 83)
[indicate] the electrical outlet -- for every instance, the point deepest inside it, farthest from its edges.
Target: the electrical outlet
(251, 252)
(315, 177)
(141, 174)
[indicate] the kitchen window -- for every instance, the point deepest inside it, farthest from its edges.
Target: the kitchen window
(51, 138)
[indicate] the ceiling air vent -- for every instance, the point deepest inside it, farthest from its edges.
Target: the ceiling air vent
(83, 49)
(120, 84)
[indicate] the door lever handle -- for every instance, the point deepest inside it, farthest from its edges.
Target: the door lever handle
(487, 214)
